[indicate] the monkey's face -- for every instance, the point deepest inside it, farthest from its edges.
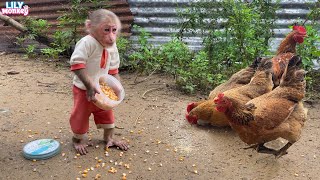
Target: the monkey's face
(107, 34)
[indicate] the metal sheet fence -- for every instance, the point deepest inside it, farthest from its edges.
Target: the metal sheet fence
(159, 18)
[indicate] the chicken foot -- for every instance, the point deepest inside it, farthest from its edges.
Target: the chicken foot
(260, 148)
(283, 150)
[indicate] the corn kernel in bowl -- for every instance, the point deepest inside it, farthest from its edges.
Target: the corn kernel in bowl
(108, 91)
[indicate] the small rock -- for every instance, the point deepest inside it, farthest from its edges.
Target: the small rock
(4, 110)
(13, 72)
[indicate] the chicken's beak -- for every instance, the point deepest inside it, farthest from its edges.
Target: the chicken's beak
(215, 100)
(191, 119)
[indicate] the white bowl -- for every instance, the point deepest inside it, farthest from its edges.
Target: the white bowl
(103, 101)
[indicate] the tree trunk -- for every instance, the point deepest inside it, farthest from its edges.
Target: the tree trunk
(39, 37)
(13, 23)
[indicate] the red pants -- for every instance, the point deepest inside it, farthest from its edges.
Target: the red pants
(79, 120)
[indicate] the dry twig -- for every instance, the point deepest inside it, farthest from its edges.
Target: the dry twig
(137, 82)
(135, 123)
(149, 90)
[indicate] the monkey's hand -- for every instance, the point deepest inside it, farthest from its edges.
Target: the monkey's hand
(91, 92)
(91, 88)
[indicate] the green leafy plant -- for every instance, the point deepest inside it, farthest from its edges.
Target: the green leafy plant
(234, 33)
(144, 57)
(309, 50)
(51, 52)
(37, 26)
(30, 50)
(174, 55)
(123, 45)
(195, 75)
(36, 29)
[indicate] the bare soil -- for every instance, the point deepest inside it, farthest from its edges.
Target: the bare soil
(35, 103)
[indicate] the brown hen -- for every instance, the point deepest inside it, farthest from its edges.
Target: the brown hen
(238, 79)
(260, 83)
(279, 113)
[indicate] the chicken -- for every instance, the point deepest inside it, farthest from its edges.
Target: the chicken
(285, 51)
(238, 79)
(260, 83)
(279, 113)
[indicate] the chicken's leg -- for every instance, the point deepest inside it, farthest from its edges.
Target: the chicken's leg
(283, 150)
(260, 148)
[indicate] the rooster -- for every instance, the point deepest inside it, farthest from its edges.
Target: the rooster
(286, 50)
(260, 83)
(279, 113)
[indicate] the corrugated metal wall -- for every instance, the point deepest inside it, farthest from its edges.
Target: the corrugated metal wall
(49, 10)
(159, 17)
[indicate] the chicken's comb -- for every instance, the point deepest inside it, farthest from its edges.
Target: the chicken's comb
(300, 29)
(218, 98)
(220, 95)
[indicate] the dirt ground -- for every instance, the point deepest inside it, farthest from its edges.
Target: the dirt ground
(36, 102)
